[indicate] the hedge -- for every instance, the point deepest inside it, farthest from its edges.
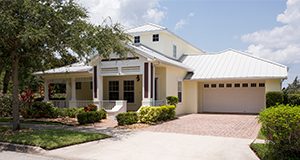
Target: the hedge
(293, 99)
(273, 98)
(281, 127)
(39, 110)
(127, 118)
(5, 105)
(90, 117)
(153, 114)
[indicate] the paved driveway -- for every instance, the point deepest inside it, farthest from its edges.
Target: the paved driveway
(154, 145)
(224, 125)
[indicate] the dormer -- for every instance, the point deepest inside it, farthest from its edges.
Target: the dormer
(162, 40)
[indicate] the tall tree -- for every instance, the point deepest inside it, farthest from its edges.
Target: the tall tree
(294, 87)
(33, 32)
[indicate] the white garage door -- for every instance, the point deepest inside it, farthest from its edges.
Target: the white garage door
(233, 97)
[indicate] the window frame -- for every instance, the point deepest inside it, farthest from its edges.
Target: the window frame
(127, 91)
(253, 85)
(116, 90)
(261, 85)
(137, 38)
(174, 51)
(78, 85)
(179, 91)
(155, 38)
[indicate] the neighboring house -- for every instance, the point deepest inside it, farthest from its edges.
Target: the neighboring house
(163, 64)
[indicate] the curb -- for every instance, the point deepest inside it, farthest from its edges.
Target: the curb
(21, 148)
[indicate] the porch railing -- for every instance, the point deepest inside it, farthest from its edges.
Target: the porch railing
(83, 103)
(113, 107)
(159, 102)
(59, 103)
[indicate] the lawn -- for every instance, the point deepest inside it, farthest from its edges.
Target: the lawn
(31, 121)
(48, 139)
(260, 149)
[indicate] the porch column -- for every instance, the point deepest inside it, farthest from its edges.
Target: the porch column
(147, 84)
(153, 85)
(46, 90)
(73, 86)
(98, 86)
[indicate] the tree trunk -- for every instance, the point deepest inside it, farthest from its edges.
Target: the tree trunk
(15, 102)
(6, 80)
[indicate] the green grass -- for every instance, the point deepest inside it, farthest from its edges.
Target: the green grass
(260, 149)
(48, 139)
(9, 119)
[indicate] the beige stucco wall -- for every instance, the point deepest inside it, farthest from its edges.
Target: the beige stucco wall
(200, 96)
(137, 90)
(160, 73)
(273, 85)
(173, 75)
(85, 93)
(190, 97)
(165, 43)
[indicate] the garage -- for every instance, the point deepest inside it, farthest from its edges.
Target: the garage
(233, 97)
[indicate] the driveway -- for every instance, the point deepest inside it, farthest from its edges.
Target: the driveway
(224, 125)
(155, 145)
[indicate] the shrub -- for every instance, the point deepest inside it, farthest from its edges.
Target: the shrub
(293, 99)
(153, 114)
(281, 126)
(89, 117)
(172, 100)
(39, 110)
(273, 98)
(104, 113)
(127, 118)
(90, 107)
(5, 105)
(68, 112)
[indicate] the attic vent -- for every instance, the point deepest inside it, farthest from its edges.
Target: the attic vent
(109, 70)
(130, 69)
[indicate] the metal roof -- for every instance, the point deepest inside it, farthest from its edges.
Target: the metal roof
(155, 55)
(146, 28)
(73, 68)
(232, 64)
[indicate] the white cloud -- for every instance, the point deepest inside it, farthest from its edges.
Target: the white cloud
(182, 22)
(282, 43)
(127, 12)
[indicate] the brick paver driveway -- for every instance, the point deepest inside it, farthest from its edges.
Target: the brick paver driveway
(225, 125)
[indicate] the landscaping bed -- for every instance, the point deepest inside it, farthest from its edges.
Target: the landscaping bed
(46, 138)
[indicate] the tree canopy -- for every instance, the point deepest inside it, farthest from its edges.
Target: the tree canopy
(35, 32)
(294, 87)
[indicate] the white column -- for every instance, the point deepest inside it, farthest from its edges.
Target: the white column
(153, 87)
(68, 90)
(149, 81)
(46, 90)
(100, 88)
(73, 86)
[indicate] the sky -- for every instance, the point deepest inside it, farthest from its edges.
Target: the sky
(268, 29)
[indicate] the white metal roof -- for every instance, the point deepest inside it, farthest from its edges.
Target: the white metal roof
(154, 55)
(233, 64)
(73, 68)
(146, 28)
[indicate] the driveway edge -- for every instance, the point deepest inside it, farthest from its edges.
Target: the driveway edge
(20, 148)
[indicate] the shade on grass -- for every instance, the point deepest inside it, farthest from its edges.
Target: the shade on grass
(48, 139)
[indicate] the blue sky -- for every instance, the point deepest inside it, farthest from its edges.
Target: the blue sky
(218, 25)
(268, 29)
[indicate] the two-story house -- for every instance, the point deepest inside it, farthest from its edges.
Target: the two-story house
(163, 64)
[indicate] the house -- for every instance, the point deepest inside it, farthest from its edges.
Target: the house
(163, 64)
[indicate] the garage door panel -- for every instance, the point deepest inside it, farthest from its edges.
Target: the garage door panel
(233, 100)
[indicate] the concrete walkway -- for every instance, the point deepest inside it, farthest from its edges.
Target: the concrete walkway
(153, 145)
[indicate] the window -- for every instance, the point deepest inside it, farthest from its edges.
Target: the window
(237, 85)
(245, 84)
(261, 84)
(78, 85)
(253, 84)
(228, 85)
(137, 39)
(221, 85)
(174, 51)
(155, 37)
(213, 85)
(206, 85)
(129, 91)
(91, 85)
(113, 89)
(179, 91)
